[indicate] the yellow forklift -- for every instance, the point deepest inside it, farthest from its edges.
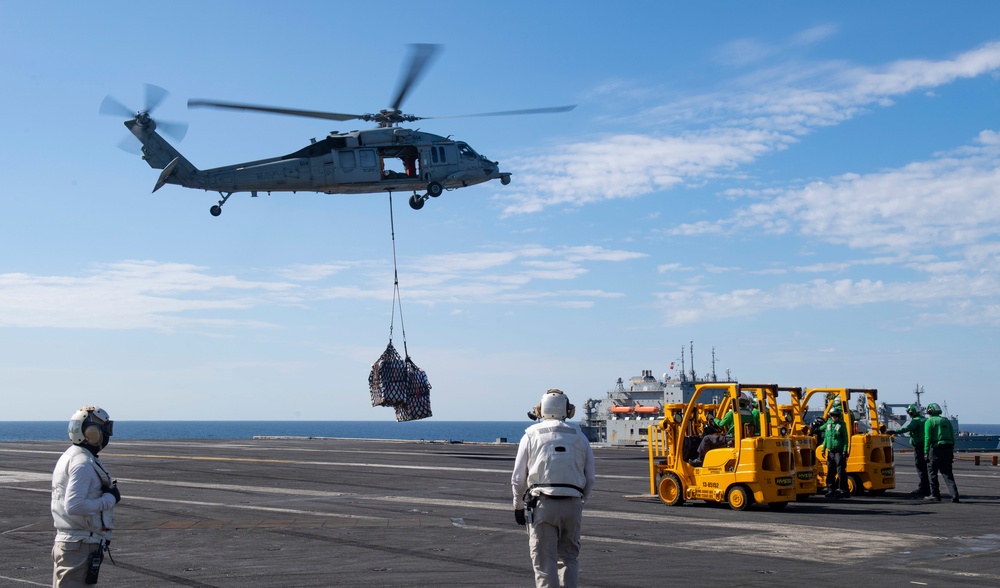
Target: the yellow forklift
(787, 422)
(752, 465)
(869, 448)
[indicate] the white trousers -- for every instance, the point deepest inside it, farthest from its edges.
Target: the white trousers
(554, 541)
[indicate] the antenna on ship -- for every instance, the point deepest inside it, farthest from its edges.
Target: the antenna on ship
(918, 391)
(694, 375)
(714, 379)
(683, 369)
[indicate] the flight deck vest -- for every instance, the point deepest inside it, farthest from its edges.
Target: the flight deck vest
(557, 460)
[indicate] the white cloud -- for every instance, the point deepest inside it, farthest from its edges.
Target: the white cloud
(951, 201)
(935, 222)
(169, 296)
(129, 295)
(775, 109)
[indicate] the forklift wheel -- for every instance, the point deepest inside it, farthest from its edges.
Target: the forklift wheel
(671, 490)
(854, 485)
(737, 498)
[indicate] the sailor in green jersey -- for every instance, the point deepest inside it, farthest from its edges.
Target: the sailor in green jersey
(755, 415)
(915, 428)
(725, 438)
(939, 444)
(835, 451)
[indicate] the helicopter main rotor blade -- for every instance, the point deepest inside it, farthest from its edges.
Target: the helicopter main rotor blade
(422, 55)
(273, 110)
(548, 110)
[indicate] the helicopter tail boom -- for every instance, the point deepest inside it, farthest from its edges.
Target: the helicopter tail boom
(160, 154)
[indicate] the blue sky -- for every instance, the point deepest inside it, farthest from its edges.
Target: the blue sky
(812, 191)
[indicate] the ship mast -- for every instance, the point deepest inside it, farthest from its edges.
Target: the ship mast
(918, 391)
(714, 379)
(694, 375)
(683, 369)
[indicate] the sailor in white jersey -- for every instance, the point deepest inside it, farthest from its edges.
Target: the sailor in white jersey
(552, 480)
(83, 500)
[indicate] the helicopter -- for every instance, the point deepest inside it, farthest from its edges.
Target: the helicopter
(388, 157)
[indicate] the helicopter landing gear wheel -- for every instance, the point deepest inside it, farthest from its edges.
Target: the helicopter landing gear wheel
(434, 189)
(217, 209)
(417, 202)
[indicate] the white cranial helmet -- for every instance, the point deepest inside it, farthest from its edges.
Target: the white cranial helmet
(90, 425)
(555, 405)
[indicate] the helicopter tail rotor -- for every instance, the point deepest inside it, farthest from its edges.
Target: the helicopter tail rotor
(154, 96)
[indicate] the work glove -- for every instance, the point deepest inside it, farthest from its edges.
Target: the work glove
(113, 490)
(519, 517)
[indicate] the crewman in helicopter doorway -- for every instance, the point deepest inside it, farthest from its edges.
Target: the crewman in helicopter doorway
(552, 480)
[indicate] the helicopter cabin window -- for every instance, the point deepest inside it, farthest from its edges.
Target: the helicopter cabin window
(438, 154)
(347, 160)
(367, 157)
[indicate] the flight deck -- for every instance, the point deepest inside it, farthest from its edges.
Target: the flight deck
(300, 512)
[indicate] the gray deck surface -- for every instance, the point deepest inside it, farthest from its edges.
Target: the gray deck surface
(330, 512)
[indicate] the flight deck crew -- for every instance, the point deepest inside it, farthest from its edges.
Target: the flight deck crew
(83, 500)
(725, 437)
(552, 480)
(835, 452)
(915, 428)
(939, 444)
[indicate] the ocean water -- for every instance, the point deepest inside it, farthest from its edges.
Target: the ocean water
(427, 430)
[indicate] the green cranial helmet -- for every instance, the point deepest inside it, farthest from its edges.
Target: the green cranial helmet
(934, 409)
(912, 410)
(836, 410)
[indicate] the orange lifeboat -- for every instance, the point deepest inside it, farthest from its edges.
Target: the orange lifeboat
(646, 409)
(621, 409)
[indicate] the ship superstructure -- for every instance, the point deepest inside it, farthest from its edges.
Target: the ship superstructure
(623, 415)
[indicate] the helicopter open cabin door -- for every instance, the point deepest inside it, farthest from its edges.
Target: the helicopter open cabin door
(358, 166)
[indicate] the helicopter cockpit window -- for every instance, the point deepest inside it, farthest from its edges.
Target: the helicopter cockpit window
(465, 151)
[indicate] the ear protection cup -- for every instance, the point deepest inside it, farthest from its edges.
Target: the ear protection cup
(93, 433)
(548, 407)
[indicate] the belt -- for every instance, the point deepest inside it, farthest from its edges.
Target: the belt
(557, 497)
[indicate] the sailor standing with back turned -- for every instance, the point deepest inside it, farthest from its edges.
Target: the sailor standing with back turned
(552, 480)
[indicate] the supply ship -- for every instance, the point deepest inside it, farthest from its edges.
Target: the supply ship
(964, 440)
(624, 414)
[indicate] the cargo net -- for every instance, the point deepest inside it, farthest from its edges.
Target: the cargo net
(395, 381)
(400, 384)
